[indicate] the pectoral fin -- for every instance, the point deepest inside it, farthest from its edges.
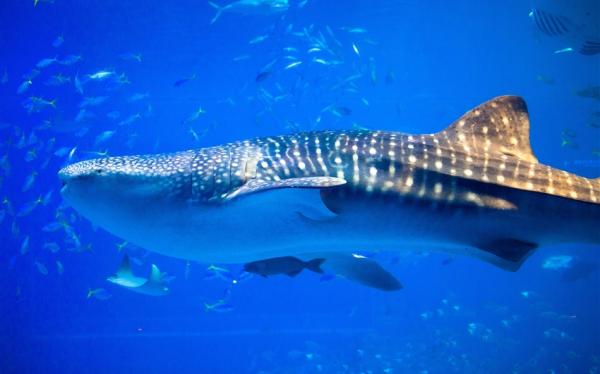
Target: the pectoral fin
(299, 196)
(257, 185)
(506, 253)
(293, 273)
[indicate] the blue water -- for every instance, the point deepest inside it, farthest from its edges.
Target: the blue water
(416, 68)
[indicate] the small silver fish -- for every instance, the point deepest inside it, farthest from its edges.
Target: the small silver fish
(58, 41)
(25, 245)
(61, 152)
(258, 39)
(194, 115)
(114, 114)
(70, 60)
(131, 119)
(292, 65)
(55, 226)
(29, 181)
(564, 50)
(57, 80)
(98, 293)
(92, 101)
(103, 137)
(129, 56)
(41, 268)
(137, 97)
(221, 306)
(78, 85)
(24, 86)
(101, 75)
(52, 247)
(47, 197)
(194, 134)
(46, 62)
(29, 207)
(83, 115)
(354, 30)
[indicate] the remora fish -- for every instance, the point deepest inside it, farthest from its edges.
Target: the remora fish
(474, 188)
(290, 266)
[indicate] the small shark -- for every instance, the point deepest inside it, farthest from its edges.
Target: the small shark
(250, 7)
(475, 188)
(153, 286)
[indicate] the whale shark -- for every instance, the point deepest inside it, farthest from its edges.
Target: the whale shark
(474, 188)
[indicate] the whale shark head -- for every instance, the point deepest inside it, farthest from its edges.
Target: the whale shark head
(116, 190)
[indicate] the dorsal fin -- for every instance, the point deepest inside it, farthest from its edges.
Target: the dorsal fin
(155, 275)
(499, 126)
(125, 268)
